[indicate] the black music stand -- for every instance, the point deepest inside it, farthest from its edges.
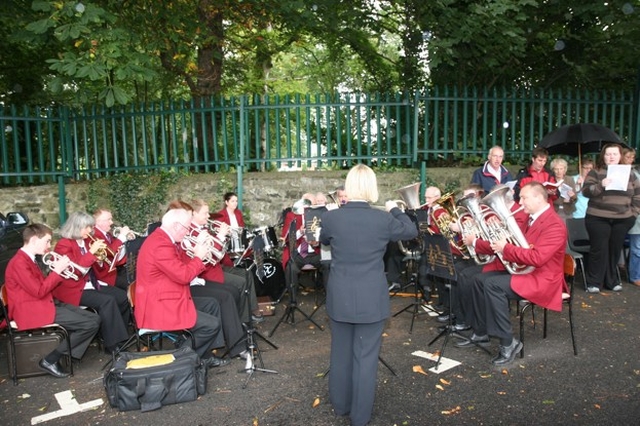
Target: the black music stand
(252, 344)
(440, 264)
(291, 289)
(412, 259)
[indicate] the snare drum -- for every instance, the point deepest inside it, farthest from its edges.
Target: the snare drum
(268, 235)
(269, 281)
(238, 243)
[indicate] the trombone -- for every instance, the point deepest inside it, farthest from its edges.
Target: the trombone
(69, 272)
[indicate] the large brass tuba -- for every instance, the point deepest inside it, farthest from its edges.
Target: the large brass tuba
(470, 214)
(506, 227)
(410, 199)
(443, 221)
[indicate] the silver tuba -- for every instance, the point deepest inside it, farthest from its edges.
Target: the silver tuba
(470, 213)
(504, 226)
(410, 199)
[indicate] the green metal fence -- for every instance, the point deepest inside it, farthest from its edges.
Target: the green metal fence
(41, 145)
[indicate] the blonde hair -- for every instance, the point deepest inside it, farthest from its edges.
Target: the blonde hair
(361, 184)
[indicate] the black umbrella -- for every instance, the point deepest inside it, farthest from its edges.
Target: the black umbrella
(578, 139)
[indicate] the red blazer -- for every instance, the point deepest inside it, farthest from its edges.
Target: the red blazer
(285, 234)
(70, 290)
(29, 292)
(163, 297)
(436, 213)
(102, 271)
(223, 216)
(211, 272)
(547, 238)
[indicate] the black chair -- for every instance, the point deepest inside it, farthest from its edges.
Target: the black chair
(578, 243)
(567, 298)
(14, 333)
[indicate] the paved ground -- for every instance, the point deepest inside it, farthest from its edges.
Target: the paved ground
(550, 386)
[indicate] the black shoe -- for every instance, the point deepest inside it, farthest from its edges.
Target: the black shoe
(455, 327)
(445, 318)
(474, 340)
(508, 353)
(54, 369)
(214, 361)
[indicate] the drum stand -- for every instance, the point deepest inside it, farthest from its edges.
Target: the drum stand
(412, 260)
(292, 307)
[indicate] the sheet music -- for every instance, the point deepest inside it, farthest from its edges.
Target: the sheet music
(619, 174)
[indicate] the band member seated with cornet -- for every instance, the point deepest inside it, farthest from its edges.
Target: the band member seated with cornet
(112, 271)
(31, 302)
(471, 213)
(111, 303)
(536, 273)
(163, 277)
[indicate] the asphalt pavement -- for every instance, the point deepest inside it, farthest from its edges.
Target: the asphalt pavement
(549, 386)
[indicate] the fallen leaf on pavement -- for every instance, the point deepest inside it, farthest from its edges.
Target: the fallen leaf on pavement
(445, 382)
(316, 402)
(418, 369)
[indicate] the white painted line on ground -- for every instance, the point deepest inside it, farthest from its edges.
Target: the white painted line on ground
(68, 406)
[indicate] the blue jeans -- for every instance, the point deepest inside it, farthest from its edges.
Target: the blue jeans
(634, 257)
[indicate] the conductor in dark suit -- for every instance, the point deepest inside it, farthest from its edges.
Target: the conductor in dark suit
(357, 294)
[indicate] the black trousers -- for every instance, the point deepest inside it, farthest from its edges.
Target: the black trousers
(297, 262)
(82, 326)
(230, 320)
(606, 237)
(462, 293)
(207, 330)
(491, 295)
(240, 279)
(112, 306)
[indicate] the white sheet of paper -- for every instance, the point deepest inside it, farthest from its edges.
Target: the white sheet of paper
(445, 363)
(619, 174)
(511, 184)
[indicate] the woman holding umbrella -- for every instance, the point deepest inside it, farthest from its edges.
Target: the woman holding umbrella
(610, 214)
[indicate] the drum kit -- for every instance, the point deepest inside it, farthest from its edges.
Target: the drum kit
(259, 247)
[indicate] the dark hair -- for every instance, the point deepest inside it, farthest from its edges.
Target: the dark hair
(35, 230)
(539, 152)
(600, 163)
(228, 195)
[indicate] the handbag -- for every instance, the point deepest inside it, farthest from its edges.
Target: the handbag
(147, 381)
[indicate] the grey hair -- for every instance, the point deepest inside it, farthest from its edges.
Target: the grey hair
(74, 225)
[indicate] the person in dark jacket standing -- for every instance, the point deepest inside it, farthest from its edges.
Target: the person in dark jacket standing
(493, 172)
(610, 214)
(357, 295)
(537, 172)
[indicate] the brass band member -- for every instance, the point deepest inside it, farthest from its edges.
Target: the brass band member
(104, 271)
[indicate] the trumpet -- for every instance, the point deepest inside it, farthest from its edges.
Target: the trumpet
(70, 271)
(103, 254)
(131, 235)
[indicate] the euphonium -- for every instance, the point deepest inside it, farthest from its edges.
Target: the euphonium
(506, 227)
(70, 272)
(443, 221)
(469, 221)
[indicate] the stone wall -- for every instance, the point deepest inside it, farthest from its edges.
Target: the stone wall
(264, 197)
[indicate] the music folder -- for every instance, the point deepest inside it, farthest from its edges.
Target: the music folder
(313, 222)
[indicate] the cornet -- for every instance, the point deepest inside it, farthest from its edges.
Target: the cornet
(103, 254)
(196, 236)
(215, 224)
(131, 235)
(69, 273)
